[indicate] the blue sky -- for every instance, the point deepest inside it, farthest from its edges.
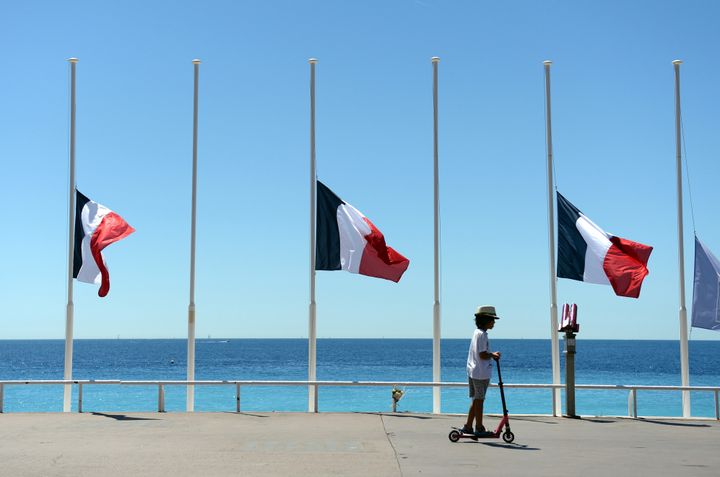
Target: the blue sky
(613, 125)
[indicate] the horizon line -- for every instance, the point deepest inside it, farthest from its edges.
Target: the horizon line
(335, 338)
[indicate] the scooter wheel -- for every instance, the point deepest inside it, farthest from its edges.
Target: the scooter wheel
(508, 436)
(454, 436)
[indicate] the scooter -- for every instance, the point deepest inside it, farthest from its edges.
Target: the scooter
(456, 434)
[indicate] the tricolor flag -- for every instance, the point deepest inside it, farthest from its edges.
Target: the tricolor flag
(96, 227)
(588, 254)
(706, 289)
(347, 240)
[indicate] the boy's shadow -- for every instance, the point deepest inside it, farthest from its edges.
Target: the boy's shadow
(510, 446)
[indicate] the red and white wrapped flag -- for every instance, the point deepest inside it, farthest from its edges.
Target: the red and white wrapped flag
(96, 227)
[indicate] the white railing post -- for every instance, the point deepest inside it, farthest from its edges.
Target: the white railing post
(632, 403)
(79, 397)
(237, 397)
(315, 388)
(635, 411)
(161, 398)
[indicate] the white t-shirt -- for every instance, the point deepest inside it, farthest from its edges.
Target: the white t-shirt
(479, 368)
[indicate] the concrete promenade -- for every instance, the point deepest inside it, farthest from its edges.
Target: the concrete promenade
(354, 444)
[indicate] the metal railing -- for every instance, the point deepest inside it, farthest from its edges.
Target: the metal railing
(631, 389)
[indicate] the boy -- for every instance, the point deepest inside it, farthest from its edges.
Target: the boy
(479, 367)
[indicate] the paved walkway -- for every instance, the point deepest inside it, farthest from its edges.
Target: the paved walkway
(353, 444)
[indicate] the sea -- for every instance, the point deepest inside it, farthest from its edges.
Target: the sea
(641, 362)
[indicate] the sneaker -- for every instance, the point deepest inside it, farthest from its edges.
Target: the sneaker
(466, 430)
(480, 431)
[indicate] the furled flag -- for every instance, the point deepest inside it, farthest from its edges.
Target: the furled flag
(96, 227)
(706, 289)
(588, 254)
(347, 240)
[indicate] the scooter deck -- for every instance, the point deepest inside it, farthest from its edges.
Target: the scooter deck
(463, 435)
(484, 435)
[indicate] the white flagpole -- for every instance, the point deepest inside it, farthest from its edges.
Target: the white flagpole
(684, 364)
(71, 246)
(191, 308)
(555, 349)
(436, 306)
(312, 331)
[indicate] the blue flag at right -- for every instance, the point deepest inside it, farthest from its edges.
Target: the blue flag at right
(706, 289)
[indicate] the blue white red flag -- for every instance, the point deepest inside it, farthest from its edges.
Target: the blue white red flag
(589, 254)
(347, 240)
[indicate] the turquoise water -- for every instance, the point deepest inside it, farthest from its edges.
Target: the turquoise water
(394, 360)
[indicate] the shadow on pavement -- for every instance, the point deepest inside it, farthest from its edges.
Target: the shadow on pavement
(395, 414)
(671, 423)
(245, 414)
(509, 446)
(123, 417)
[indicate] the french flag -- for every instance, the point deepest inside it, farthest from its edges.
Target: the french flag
(588, 254)
(96, 227)
(347, 240)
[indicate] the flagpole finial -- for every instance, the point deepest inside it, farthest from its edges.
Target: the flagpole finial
(547, 62)
(73, 60)
(196, 61)
(435, 59)
(677, 62)
(312, 61)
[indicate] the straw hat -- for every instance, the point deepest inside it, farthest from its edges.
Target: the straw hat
(487, 310)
